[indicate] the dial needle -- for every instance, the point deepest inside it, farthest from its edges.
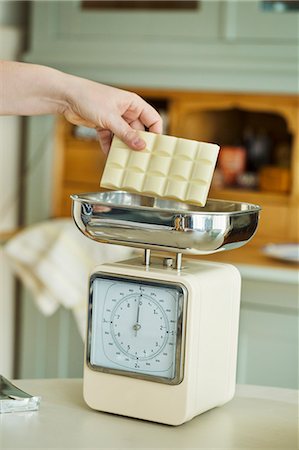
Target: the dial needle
(137, 325)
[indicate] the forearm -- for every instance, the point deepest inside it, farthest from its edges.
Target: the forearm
(29, 89)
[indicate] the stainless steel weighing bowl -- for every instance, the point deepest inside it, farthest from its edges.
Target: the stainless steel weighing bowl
(133, 220)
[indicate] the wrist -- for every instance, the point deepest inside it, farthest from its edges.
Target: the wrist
(56, 94)
(84, 100)
(72, 86)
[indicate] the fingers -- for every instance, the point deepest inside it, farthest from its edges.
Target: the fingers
(105, 138)
(127, 134)
(148, 117)
(151, 118)
(137, 125)
(138, 115)
(139, 109)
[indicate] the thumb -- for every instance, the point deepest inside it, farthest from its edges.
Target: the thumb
(126, 133)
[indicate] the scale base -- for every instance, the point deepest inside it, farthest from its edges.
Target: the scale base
(210, 353)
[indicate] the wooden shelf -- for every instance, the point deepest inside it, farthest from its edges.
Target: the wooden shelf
(255, 197)
(250, 254)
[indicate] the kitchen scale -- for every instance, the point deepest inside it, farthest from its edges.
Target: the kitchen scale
(162, 332)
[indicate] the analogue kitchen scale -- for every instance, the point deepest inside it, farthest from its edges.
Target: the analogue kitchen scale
(162, 332)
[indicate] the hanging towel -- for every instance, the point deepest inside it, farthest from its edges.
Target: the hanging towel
(54, 260)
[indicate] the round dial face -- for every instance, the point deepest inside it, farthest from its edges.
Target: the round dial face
(135, 326)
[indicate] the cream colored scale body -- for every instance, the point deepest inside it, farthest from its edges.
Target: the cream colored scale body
(199, 347)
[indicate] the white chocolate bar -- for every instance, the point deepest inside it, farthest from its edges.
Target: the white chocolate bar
(168, 167)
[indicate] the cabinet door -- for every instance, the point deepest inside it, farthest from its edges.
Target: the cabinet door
(143, 24)
(268, 339)
(247, 19)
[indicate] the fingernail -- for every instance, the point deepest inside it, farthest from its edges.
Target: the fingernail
(138, 143)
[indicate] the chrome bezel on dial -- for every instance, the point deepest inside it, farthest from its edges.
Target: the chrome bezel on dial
(180, 336)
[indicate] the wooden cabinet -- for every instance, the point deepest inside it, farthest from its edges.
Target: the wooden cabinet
(190, 63)
(196, 116)
(212, 117)
(78, 167)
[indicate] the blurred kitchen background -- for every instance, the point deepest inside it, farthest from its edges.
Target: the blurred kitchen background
(220, 71)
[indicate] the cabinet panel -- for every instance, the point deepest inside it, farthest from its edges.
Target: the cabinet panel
(50, 347)
(248, 20)
(274, 222)
(268, 347)
(268, 350)
(170, 49)
(271, 122)
(84, 162)
(202, 22)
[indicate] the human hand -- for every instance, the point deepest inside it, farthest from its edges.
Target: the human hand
(32, 89)
(110, 111)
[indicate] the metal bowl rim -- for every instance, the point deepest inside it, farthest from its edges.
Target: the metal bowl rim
(79, 198)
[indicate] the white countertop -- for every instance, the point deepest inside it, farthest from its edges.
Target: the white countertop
(257, 418)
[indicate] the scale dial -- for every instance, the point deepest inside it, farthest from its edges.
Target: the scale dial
(135, 328)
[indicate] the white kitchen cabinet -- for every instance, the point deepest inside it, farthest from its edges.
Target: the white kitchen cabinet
(268, 340)
(247, 20)
(10, 135)
(268, 336)
(223, 45)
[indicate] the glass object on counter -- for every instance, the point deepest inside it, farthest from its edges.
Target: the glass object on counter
(13, 399)
(248, 180)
